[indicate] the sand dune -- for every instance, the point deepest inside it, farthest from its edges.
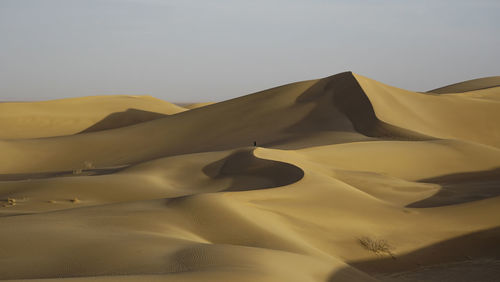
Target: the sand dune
(69, 116)
(197, 105)
(442, 116)
(351, 180)
(470, 85)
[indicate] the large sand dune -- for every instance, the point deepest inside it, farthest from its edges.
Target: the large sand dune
(69, 116)
(351, 180)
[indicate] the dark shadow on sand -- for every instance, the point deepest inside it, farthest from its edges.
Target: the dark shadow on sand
(247, 172)
(341, 105)
(461, 188)
(122, 119)
(475, 246)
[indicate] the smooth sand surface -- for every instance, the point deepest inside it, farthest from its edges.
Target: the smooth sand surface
(351, 180)
(469, 85)
(21, 120)
(191, 106)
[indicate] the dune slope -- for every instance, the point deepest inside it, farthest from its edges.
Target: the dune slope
(469, 85)
(351, 180)
(20, 120)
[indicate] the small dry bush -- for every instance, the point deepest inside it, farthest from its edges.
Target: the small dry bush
(378, 246)
(75, 200)
(86, 166)
(10, 202)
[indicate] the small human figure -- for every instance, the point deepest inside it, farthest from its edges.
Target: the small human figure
(255, 143)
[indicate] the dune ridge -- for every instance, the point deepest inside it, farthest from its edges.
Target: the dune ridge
(469, 85)
(191, 106)
(342, 165)
(21, 120)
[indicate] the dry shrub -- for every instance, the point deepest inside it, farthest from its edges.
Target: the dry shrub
(87, 165)
(378, 246)
(10, 202)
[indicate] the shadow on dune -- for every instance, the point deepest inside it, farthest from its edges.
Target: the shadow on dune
(332, 110)
(483, 244)
(349, 274)
(341, 105)
(461, 188)
(248, 172)
(346, 95)
(122, 119)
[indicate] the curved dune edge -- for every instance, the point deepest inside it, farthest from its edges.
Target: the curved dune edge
(198, 105)
(238, 170)
(440, 116)
(250, 169)
(469, 85)
(344, 93)
(20, 120)
(289, 114)
(340, 162)
(204, 218)
(249, 172)
(122, 119)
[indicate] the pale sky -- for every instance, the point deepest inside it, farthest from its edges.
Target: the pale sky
(200, 50)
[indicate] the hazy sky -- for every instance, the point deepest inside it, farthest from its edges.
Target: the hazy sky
(200, 50)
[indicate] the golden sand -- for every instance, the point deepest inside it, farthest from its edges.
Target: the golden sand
(351, 180)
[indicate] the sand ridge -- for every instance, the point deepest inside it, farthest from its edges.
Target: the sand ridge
(20, 120)
(351, 180)
(469, 85)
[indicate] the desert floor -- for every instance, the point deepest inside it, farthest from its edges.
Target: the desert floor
(350, 180)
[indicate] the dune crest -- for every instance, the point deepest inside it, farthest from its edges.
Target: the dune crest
(20, 120)
(336, 179)
(469, 85)
(197, 105)
(440, 116)
(250, 172)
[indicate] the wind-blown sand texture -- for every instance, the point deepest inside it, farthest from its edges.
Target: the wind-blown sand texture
(351, 180)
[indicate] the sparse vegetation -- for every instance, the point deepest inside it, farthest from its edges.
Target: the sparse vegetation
(86, 165)
(377, 246)
(75, 200)
(10, 202)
